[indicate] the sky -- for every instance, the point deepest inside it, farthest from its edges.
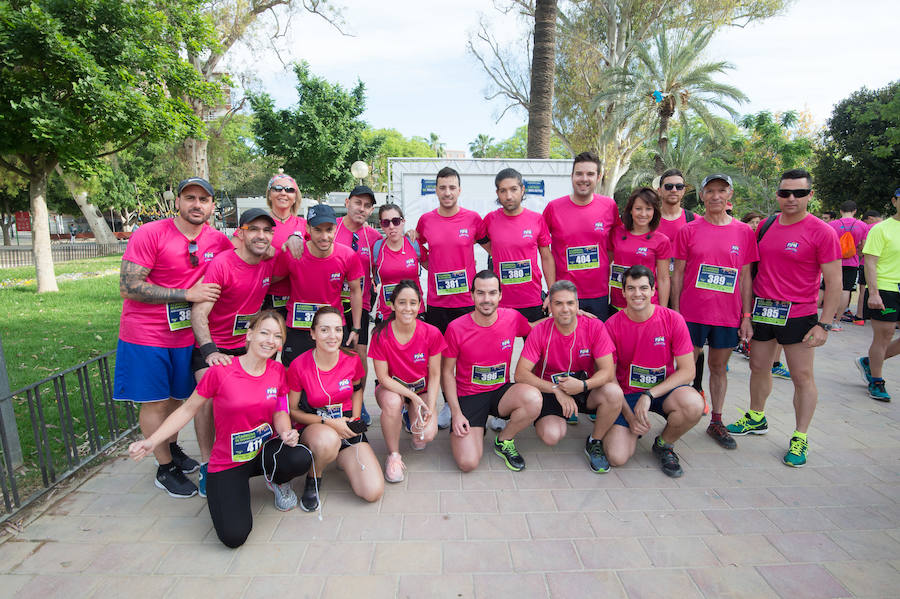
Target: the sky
(412, 56)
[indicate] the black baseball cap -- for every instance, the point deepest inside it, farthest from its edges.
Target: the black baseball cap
(319, 214)
(248, 216)
(715, 176)
(196, 181)
(363, 190)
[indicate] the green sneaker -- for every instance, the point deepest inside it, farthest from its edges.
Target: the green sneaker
(796, 455)
(573, 419)
(747, 425)
(596, 456)
(507, 450)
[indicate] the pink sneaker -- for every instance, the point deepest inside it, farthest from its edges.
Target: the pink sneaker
(393, 468)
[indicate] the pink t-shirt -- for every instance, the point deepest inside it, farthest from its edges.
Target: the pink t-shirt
(317, 282)
(790, 259)
(553, 354)
(714, 255)
(244, 287)
(323, 388)
(630, 250)
(451, 257)
(670, 228)
(857, 229)
(162, 248)
(483, 354)
(408, 362)
(367, 236)
(243, 410)
(580, 240)
(283, 230)
(392, 267)
(645, 351)
(514, 246)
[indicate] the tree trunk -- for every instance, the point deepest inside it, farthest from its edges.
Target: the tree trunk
(543, 70)
(6, 223)
(195, 157)
(101, 230)
(40, 229)
(662, 144)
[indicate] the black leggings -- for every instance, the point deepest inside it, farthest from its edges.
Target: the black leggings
(228, 491)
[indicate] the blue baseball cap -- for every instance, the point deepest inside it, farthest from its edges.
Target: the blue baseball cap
(320, 214)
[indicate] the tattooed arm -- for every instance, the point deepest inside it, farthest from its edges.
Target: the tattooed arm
(133, 285)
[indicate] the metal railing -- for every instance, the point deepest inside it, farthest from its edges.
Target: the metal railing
(73, 419)
(62, 252)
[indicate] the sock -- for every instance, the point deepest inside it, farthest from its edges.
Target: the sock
(591, 439)
(716, 417)
(776, 364)
(877, 379)
(799, 434)
(756, 416)
(163, 467)
(661, 443)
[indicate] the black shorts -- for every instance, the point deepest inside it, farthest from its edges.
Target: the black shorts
(656, 405)
(364, 322)
(891, 312)
(476, 408)
(598, 306)
(533, 314)
(718, 337)
(793, 331)
(198, 363)
(551, 406)
(297, 342)
(848, 276)
(862, 276)
(441, 317)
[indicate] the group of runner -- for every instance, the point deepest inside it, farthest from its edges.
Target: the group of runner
(202, 309)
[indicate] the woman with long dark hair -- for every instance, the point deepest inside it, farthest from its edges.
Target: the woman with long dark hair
(394, 259)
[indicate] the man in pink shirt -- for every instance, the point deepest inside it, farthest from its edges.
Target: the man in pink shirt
(518, 236)
(580, 225)
(794, 252)
(711, 288)
(162, 275)
(672, 216)
(857, 229)
(475, 377)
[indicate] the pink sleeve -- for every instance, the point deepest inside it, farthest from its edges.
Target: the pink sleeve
(375, 346)
(829, 248)
(480, 227)
(209, 384)
(437, 345)
(216, 273)
(293, 377)
(452, 350)
(752, 254)
(663, 248)
(359, 372)
(282, 399)
(523, 327)
(420, 230)
(680, 251)
(532, 349)
(543, 239)
(354, 267)
(603, 345)
(140, 250)
(681, 338)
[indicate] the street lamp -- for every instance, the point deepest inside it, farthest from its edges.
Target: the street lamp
(359, 170)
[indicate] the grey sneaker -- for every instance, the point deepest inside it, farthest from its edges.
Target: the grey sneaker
(596, 456)
(496, 424)
(285, 498)
(444, 417)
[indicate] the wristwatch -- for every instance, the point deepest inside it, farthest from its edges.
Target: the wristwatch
(825, 326)
(648, 394)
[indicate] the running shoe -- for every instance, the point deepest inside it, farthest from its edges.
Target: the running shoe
(182, 460)
(418, 443)
(364, 415)
(746, 425)
(705, 403)
(172, 480)
(720, 434)
(668, 459)
(309, 501)
(596, 456)
(863, 365)
(848, 316)
(593, 417)
(859, 322)
(444, 417)
(796, 455)
(877, 391)
(780, 371)
(573, 419)
(507, 450)
(496, 424)
(201, 482)
(393, 468)
(836, 327)
(285, 498)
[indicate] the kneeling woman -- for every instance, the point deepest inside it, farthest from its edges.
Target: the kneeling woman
(253, 431)
(406, 353)
(325, 396)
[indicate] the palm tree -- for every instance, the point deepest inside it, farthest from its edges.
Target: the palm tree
(481, 147)
(436, 145)
(543, 70)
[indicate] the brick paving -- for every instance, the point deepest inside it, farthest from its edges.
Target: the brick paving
(737, 524)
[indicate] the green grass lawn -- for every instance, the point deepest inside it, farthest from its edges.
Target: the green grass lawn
(86, 265)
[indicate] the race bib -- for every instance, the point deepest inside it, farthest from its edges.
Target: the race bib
(332, 410)
(345, 290)
(280, 301)
(302, 316)
(555, 377)
(768, 311)
(246, 445)
(512, 273)
(615, 275)
(641, 377)
(387, 291)
(489, 375)
(451, 283)
(583, 257)
(415, 386)
(242, 323)
(178, 315)
(716, 278)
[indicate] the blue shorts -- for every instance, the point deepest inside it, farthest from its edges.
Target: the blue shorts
(145, 373)
(598, 306)
(718, 337)
(656, 405)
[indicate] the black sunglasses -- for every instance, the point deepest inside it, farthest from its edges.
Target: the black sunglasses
(283, 188)
(671, 186)
(396, 221)
(797, 193)
(192, 254)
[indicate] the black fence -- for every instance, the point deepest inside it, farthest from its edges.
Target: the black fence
(62, 252)
(64, 422)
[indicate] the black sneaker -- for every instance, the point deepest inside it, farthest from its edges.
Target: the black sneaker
(309, 501)
(172, 480)
(183, 460)
(508, 452)
(717, 431)
(668, 459)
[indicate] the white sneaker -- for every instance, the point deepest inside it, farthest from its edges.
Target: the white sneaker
(444, 417)
(393, 468)
(285, 498)
(496, 424)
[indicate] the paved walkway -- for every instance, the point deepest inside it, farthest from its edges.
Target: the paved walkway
(738, 524)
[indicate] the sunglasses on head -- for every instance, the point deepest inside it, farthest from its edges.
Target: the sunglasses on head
(396, 221)
(797, 193)
(192, 254)
(671, 186)
(255, 229)
(283, 188)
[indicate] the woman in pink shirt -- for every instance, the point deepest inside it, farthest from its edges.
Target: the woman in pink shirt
(406, 353)
(283, 198)
(394, 259)
(253, 431)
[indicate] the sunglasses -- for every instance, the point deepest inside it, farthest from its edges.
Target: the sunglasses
(283, 188)
(354, 243)
(192, 254)
(671, 186)
(396, 221)
(255, 229)
(797, 193)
